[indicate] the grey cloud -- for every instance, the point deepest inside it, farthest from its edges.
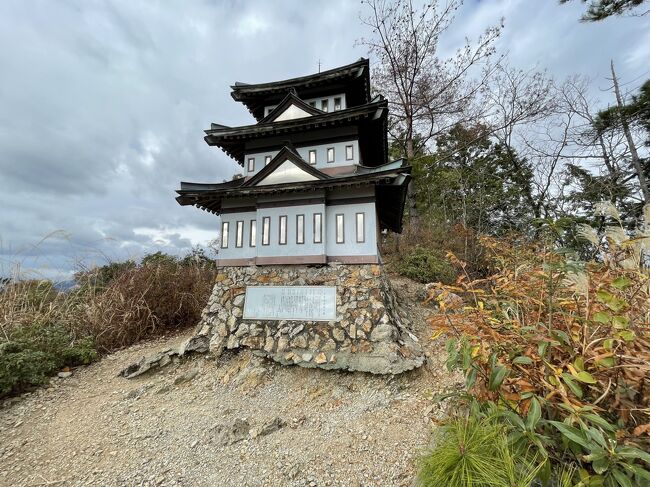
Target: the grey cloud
(102, 104)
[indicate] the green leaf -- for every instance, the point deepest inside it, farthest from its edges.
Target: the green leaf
(634, 453)
(596, 435)
(534, 414)
(471, 378)
(575, 388)
(626, 335)
(599, 421)
(604, 297)
(616, 305)
(562, 336)
(498, 375)
(579, 363)
(640, 472)
(571, 433)
(622, 479)
(621, 322)
(606, 362)
(621, 282)
(585, 377)
(602, 317)
(608, 344)
(541, 348)
(599, 461)
(522, 360)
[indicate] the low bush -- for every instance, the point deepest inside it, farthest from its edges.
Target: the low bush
(30, 354)
(438, 238)
(560, 350)
(425, 265)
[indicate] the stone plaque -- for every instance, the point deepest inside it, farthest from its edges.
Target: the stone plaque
(299, 303)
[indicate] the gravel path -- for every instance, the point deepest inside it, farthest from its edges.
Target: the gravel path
(237, 421)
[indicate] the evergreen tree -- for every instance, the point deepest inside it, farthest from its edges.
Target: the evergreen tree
(473, 181)
(603, 9)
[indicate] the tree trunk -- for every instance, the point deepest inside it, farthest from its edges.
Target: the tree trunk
(411, 197)
(636, 162)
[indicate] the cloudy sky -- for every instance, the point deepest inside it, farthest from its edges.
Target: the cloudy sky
(103, 103)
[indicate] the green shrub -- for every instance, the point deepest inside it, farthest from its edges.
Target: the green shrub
(30, 354)
(474, 452)
(426, 265)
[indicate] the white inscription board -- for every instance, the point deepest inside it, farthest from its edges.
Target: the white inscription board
(303, 303)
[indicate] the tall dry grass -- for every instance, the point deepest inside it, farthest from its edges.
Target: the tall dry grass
(43, 329)
(145, 301)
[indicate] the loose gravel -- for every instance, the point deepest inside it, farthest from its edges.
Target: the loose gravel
(236, 421)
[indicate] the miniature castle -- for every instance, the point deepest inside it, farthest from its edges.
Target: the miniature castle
(318, 186)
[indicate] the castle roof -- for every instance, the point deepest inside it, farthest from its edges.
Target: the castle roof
(371, 119)
(352, 79)
(390, 181)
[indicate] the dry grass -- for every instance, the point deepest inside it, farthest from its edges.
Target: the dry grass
(42, 329)
(146, 301)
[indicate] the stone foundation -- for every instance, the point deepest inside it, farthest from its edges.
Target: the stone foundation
(370, 334)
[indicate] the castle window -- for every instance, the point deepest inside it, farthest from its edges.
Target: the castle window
(361, 227)
(312, 157)
(239, 236)
(251, 164)
(266, 230)
(253, 233)
(300, 229)
(283, 230)
(313, 103)
(340, 237)
(324, 105)
(337, 103)
(318, 228)
(224, 234)
(330, 154)
(267, 159)
(349, 152)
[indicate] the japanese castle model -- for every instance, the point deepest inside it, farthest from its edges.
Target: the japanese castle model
(300, 275)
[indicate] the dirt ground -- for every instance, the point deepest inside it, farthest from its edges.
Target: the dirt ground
(236, 421)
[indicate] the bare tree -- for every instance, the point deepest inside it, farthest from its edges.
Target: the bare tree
(518, 104)
(427, 92)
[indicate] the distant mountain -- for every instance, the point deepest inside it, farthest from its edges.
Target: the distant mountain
(65, 286)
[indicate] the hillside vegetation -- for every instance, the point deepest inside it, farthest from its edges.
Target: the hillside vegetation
(43, 330)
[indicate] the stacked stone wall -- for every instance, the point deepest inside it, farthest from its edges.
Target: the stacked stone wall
(370, 334)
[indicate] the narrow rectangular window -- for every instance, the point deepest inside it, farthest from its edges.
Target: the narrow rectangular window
(283, 230)
(337, 103)
(266, 230)
(251, 164)
(318, 228)
(313, 103)
(300, 229)
(239, 236)
(330, 154)
(253, 233)
(267, 159)
(340, 229)
(324, 105)
(312, 157)
(349, 152)
(224, 234)
(361, 227)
